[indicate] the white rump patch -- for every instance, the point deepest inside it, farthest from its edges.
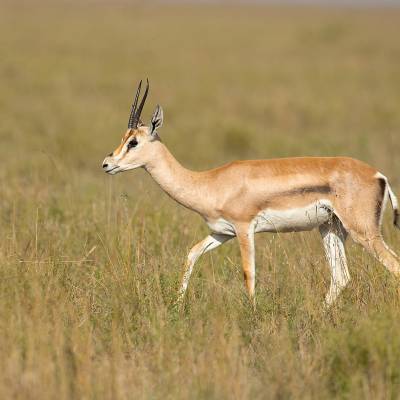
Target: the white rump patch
(388, 192)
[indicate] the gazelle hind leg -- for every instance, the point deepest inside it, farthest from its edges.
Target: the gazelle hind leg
(209, 243)
(333, 237)
(366, 229)
(377, 247)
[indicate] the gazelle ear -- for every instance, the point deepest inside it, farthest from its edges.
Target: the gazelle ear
(156, 120)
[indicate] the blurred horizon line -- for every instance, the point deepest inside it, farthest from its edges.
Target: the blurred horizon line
(325, 3)
(275, 3)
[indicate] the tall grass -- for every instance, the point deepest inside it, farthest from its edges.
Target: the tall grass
(90, 264)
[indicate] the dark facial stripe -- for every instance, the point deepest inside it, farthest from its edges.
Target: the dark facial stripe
(124, 140)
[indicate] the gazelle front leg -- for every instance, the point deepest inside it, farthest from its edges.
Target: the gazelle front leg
(209, 243)
(245, 237)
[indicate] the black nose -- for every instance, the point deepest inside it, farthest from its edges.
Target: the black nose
(105, 165)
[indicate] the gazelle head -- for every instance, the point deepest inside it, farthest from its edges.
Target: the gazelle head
(136, 148)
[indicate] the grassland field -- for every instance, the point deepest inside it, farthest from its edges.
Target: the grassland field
(90, 264)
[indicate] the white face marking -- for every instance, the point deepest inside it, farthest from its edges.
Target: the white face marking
(126, 159)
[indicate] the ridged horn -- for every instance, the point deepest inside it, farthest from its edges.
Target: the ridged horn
(133, 108)
(138, 112)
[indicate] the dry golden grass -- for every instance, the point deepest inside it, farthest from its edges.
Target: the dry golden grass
(90, 264)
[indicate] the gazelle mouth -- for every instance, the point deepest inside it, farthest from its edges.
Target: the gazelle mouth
(110, 170)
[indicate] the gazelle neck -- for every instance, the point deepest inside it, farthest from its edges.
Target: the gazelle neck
(183, 185)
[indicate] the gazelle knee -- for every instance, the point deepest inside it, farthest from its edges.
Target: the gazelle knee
(379, 249)
(192, 255)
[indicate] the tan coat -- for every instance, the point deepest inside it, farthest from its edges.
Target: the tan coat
(338, 195)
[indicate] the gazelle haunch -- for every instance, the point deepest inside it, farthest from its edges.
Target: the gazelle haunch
(337, 195)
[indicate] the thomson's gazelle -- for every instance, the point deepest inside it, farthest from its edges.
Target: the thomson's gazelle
(337, 195)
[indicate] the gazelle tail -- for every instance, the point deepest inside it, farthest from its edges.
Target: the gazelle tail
(395, 205)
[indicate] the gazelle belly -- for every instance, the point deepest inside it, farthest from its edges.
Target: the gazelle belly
(293, 219)
(222, 226)
(289, 220)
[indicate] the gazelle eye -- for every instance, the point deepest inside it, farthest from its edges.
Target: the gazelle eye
(132, 143)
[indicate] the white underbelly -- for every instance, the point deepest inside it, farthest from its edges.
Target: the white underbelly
(290, 220)
(293, 220)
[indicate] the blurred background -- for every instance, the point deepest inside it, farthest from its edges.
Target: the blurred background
(90, 264)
